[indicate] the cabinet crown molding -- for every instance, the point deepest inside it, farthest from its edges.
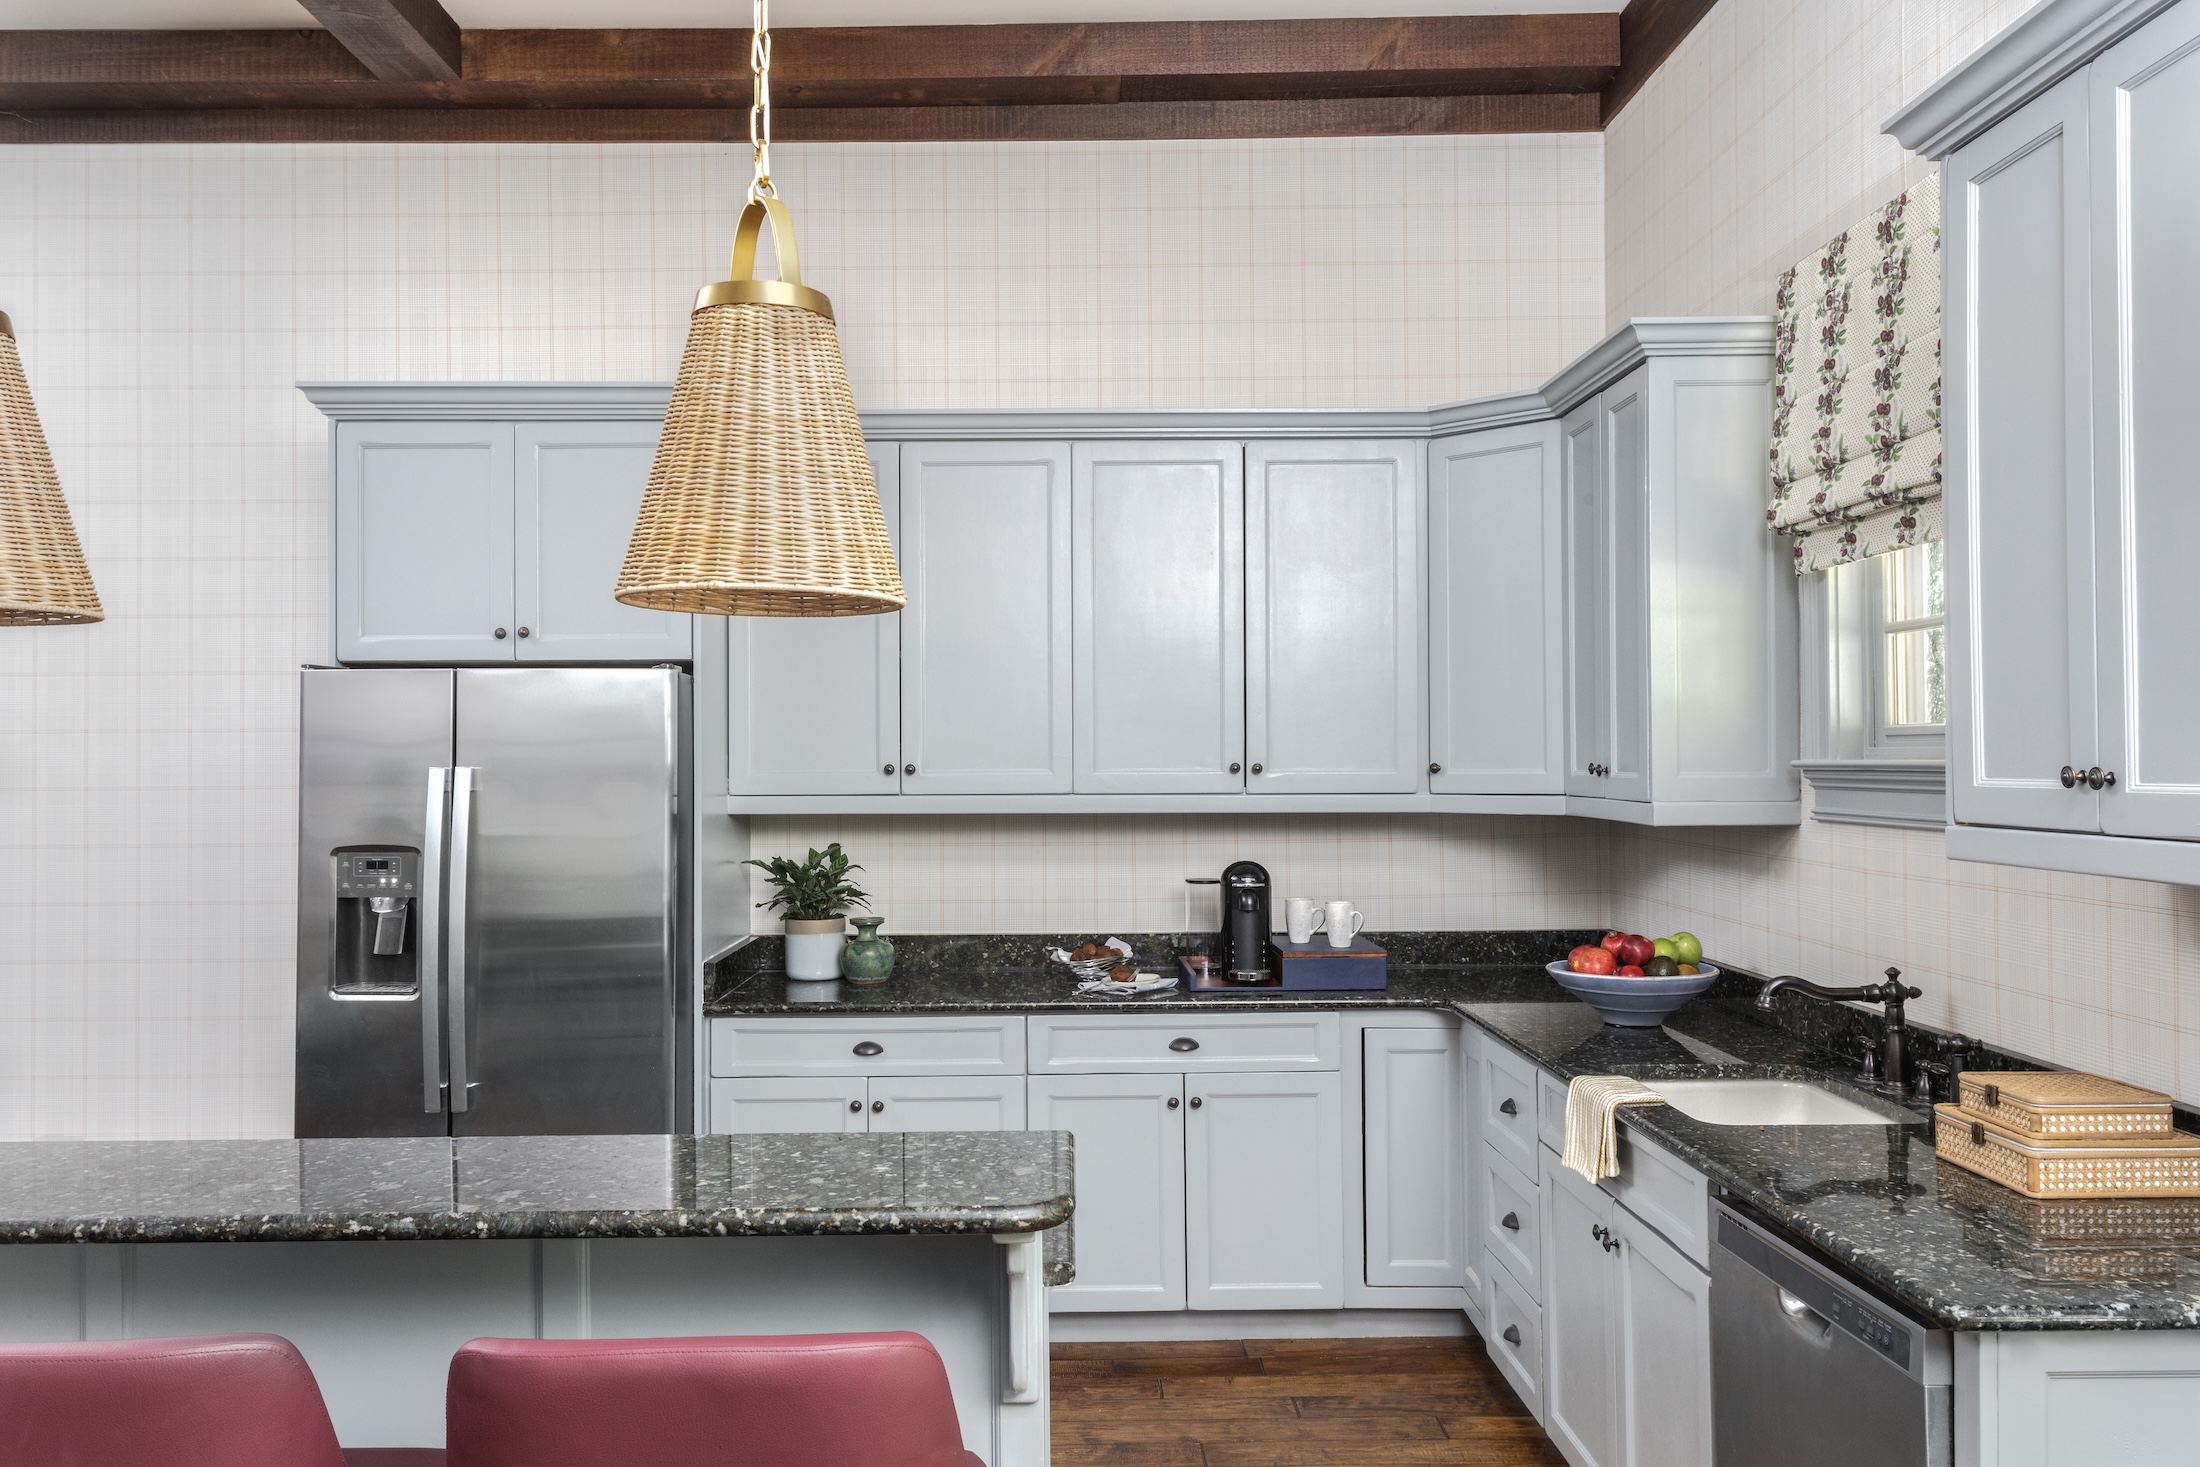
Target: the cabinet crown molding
(365, 402)
(2040, 48)
(1645, 337)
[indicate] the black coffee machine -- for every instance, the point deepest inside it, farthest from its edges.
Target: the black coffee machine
(1245, 928)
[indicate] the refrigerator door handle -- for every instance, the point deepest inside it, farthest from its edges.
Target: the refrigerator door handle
(462, 820)
(431, 946)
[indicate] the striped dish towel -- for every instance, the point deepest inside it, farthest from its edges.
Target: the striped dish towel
(1592, 1121)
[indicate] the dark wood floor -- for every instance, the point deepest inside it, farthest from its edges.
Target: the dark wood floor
(1290, 1403)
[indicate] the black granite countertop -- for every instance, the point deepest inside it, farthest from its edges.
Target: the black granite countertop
(538, 1187)
(1960, 1252)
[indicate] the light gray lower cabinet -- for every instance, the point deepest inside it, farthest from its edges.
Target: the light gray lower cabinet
(985, 656)
(1414, 1124)
(1158, 646)
(1475, 1271)
(1264, 1191)
(577, 490)
(1682, 606)
(814, 702)
(1129, 1132)
(1664, 1339)
(422, 542)
(787, 1105)
(946, 1103)
(1334, 610)
(1583, 1384)
(1497, 613)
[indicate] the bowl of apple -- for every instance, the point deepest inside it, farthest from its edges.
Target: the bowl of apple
(1635, 982)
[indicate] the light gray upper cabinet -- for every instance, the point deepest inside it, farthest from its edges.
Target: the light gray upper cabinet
(1333, 618)
(1682, 605)
(985, 666)
(492, 541)
(577, 491)
(423, 542)
(1497, 613)
(1159, 618)
(2145, 142)
(2069, 313)
(814, 702)
(2018, 495)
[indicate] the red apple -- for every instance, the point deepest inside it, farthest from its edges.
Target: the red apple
(1631, 970)
(1589, 960)
(1636, 949)
(1611, 942)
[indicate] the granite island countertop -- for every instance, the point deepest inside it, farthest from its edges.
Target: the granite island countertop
(1960, 1252)
(494, 1187)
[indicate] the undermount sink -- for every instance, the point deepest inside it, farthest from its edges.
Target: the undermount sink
(1765, 1103)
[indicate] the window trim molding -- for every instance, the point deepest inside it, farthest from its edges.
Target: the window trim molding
(1912, 793)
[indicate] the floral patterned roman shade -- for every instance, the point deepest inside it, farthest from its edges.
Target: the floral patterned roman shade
(1856, 389)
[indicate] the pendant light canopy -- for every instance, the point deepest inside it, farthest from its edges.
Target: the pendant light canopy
(43, 581)
(761, 500)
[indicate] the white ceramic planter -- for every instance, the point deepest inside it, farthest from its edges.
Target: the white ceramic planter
(813, 948)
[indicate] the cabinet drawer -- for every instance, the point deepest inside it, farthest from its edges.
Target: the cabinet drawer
(1515, 1339)
(1070, 1044)
(1511, 1217)
(1509, 1105)
(1668, 1195)
(830, 1045)
(1550, 1110)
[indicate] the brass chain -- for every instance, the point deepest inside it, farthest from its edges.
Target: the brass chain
(760, 110)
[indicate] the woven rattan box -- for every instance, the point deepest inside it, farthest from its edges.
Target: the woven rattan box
(2054, 1105)
(2088, 1166)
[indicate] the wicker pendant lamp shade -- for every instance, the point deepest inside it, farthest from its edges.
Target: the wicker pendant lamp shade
(761, 501)
(43, 581)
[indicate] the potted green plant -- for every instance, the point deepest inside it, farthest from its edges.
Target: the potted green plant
(814, 896)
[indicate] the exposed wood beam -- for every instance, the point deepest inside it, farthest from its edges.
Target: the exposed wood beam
(1337, 117)
(396, 40)
(1236, 79)
(1648, 32)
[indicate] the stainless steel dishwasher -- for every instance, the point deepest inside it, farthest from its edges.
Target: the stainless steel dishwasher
(1810, 1370)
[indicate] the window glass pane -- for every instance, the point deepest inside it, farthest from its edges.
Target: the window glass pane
(1912, 577)
(1917, 678)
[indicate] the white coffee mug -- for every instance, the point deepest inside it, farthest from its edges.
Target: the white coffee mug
(1344, 922)
(1302, 918)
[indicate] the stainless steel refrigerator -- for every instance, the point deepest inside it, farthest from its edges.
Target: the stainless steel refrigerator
(491, 908)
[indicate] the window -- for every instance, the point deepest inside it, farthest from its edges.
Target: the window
(1911, 642)
(1875, 689)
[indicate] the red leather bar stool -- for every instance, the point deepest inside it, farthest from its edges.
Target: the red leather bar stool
(770, 1401)
(204, 1401)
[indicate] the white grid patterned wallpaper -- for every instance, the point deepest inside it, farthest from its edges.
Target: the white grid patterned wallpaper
(168, 297)
(1755, 143)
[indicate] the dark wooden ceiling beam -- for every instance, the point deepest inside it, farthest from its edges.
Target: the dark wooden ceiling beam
(1130, 121)
(397, 40)
(1649, 30)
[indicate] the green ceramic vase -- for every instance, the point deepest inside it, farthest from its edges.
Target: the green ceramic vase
(868, 957)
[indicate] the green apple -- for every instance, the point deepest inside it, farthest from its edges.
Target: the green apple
(1663, 947)
(1687, 947)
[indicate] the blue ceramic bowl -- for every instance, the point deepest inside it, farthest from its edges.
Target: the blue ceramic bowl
(1632, 1003)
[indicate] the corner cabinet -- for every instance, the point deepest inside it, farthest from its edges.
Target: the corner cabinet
(1681, 605)
(2073, 645)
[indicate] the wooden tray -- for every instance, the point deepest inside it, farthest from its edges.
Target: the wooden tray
(2064, 1104)
(2099, 1166)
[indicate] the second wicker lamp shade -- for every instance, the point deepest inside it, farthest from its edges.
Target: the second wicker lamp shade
(43, 580)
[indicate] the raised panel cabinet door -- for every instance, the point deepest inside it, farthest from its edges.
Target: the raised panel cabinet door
(1497, 613)
(1664, 1330)
(578, 488)
(985, 670)
(2017, 476)
(1264, 1191)
(1588, 599)
(778, 1105)
(2146, 311)
(1333, 611)
(1626, 409)
(1414, 1158)
(1129, 1135)
(1581, 1317)
(814, 702)
(1158, 647)
(947, 1103)
(423, 542)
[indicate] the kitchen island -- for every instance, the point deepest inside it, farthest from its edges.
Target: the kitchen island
(555, 1237)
